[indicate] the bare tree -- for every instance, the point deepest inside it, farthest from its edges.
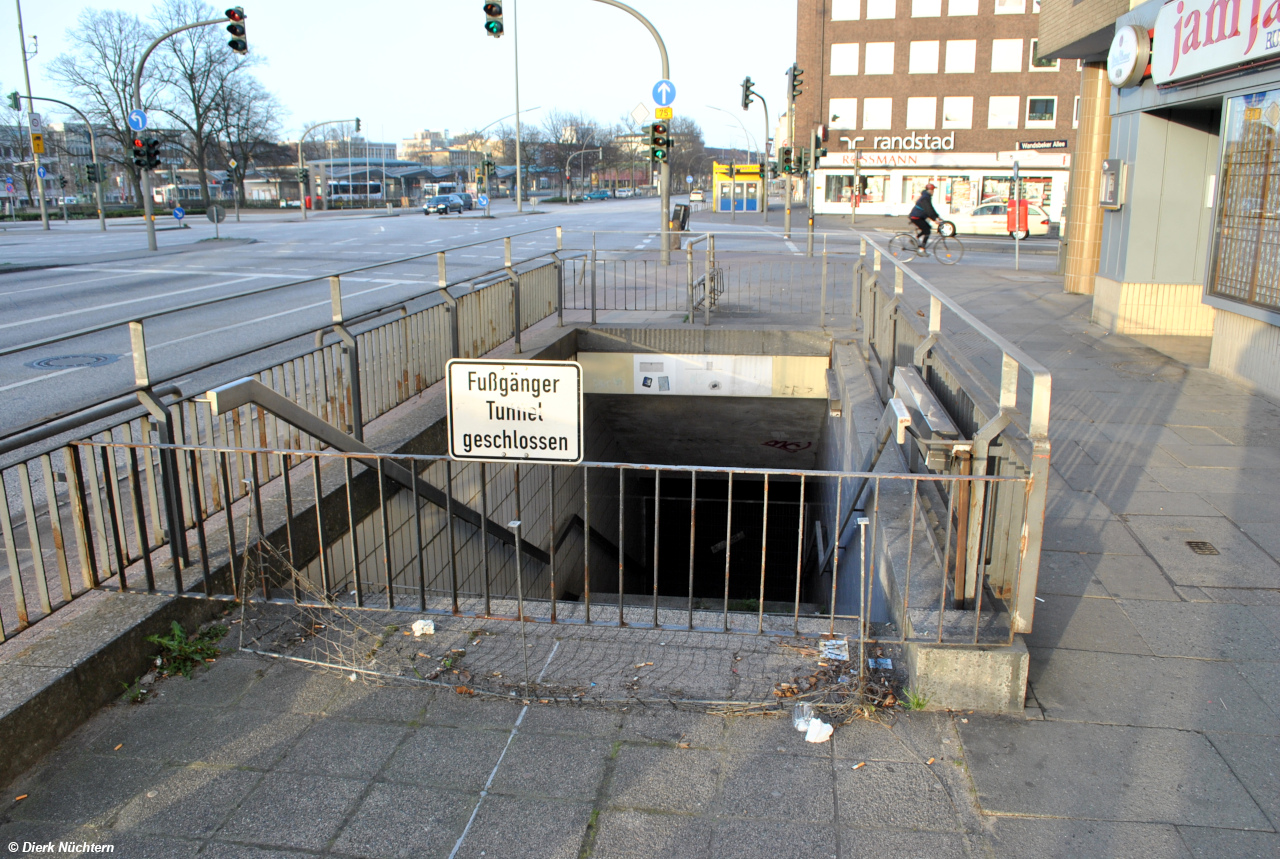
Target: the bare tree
(199, 73)
(246, 125)
(105, 46)
(564, 134)
(16, 146)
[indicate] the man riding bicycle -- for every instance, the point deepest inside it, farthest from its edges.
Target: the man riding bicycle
(922, 213)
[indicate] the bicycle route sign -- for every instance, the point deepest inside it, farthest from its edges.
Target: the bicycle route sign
(515, 411)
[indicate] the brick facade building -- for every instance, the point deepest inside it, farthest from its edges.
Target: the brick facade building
(933, 90)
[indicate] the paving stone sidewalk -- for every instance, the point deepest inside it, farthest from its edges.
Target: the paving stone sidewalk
(1153, 726)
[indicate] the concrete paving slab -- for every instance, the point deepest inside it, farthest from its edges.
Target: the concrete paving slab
(288, 687)
(1223, 456)
(670, 726)
(447, 757)
(774, 735)
(236, 737)
(1256, 763)
(662, 779)
(1244, 596)
(1239, 562)
(1204, 435)
(450, 708)
(1149, 691)
(559, 767)
(752, 839)
(1131, 577)
(904, 796)
(1203, 630)
(778, 787)
(1206, 843)
(231, 850)
(369, 703)
(1165, 504)
(1265, 536)
(334, 747)
(86, 789)
(1269, 615)
(1069, 574)
(1109, 482)
(291, 810)
(600, 725)
(1104, 772)
(1085, 623)
(1244, 508)
(879, 843)
(506, 826)
(1264, 679)
(192, 801)
(1064, 502)
(641, 835)
(402, 821)
(223, 688)
(1070, 839)
(1210, 480)
(1090, 535)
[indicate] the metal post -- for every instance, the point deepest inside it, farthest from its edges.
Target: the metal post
(593, 278)
(812, 179)
(93, 155)
(515, 35)
(791, 134)
(1017, 216)
(855, 197)
(689, 281)
(31, 107)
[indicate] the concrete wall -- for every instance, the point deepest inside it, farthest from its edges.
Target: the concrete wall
(1246, 350)
(1152, 308)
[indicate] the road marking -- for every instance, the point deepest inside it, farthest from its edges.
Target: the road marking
(41, 378)
(64, 283)
(792, 245)
(98, 307)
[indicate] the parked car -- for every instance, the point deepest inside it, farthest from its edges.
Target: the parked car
(442, 204)
(623, 193)
(598, 194)
(468, 202)
(696, 196)
(991, 219)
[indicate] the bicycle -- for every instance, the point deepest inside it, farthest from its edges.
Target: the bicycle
(946, 247)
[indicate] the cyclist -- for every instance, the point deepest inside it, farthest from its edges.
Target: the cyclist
(922, 213)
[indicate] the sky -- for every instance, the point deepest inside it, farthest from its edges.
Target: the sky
(407, 65)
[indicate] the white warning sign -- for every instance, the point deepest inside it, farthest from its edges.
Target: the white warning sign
(526, 411)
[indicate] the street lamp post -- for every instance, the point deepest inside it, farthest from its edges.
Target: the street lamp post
(93, 153)
(31, 107)
(148, 206)
(764, 168)
(301, 165)
(665, 175)
(568, 176)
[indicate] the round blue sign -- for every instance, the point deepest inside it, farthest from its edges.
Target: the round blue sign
(137, 119)
(484, 199)
(664, 92)
(41, 172)
(179, 213)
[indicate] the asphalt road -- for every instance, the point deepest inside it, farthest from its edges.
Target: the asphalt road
(268, 276)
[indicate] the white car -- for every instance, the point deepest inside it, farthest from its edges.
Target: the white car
(696, 196)
(991, 219)
(623, 193)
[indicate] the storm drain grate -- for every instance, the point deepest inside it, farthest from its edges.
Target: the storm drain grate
(63, 362)
(1201, 547)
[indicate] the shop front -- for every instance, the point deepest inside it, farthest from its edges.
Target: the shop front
(888, 183)
(1191, 232)
(736, 187)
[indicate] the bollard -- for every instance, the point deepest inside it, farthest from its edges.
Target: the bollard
(506, 251)
(559, 238)
(440, 270)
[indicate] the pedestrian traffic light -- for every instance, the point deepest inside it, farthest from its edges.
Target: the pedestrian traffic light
(786, 160)
(746, 92)
(493, 19)
(139, 152)
(239, 38)
(794, 81)
(14, 102)
(152, 154)
(659, 142)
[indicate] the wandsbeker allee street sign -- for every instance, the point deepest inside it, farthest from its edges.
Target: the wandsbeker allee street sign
(515, 411)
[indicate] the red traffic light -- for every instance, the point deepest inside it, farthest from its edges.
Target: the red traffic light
(137, 143)
(235, 14)
(493, 8)
(660, 128)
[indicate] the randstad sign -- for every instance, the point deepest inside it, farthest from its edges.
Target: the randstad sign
(919, 141)
(1195, 37)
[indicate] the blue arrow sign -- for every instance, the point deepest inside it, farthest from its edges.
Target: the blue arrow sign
(179, 213)
(137, 119)
(41, 172)
(664, 92)
(483, 199)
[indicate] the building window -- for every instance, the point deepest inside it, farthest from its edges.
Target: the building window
(879, 58)
(1002, 111)
(926, 8)
(923, 58)
(1039, 65)
(881, 9)
(877, 113)
(961, 56)
(842, 113)
(845, 10)
(840, 188)
(1075, 114)
(957, 111)
(1011, 7)
(1246, 263)
(922, 112)
(1042, 111)
(962, 7)
(1006, 55)
(844, 59)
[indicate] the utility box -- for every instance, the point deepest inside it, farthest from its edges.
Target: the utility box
(1016, 216)
(680, 217)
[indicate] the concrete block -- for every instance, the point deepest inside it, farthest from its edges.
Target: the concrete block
(985, 678)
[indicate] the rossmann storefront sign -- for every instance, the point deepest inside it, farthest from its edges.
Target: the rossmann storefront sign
(1194, 37)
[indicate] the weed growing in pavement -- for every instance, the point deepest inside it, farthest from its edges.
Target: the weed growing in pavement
(914, 700)
(181, 653)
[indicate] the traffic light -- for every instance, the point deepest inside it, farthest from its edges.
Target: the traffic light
(152, 154)
(659, 142)
(139, 152)
(304, 175)
(91, 173)
(794, 81)
(14, 102)
(746, 92)
(357, 125)
(493, 19)
(62, 182)
(787, 161)
(239, 38)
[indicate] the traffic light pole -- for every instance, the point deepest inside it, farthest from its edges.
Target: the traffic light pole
(764, 168)
(93, 154)
(665, 178)
(568, 177)
(302, 165)
(31, 107)
(791, 133)
(148, 206)
(813, 179)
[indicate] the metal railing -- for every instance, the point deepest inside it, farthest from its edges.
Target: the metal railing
(698, 548)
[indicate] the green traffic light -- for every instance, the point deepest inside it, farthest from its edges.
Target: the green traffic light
(494, 27)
